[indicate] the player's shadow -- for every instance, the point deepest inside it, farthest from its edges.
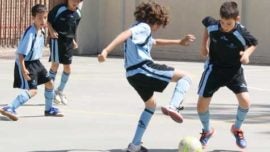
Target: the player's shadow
(150, 150)
(112, 150)
(219, 150)
(258, 113)
(3, 118)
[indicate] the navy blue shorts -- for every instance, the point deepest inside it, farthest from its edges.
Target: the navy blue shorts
(61, 51)
(146, 85)
(37, 73)
(214, 78)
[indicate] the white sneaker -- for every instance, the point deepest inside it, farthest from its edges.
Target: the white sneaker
(136, 148)
(60, 98)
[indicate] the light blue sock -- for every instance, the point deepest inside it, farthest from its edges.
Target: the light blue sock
(142, 125)
(52, 74)
(240, 117)
(64, 80)
(20, 100)
(49, 96)
(182, 86)
(204, 117)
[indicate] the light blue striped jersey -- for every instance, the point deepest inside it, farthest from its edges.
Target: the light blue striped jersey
(138, 47)
(31, 44)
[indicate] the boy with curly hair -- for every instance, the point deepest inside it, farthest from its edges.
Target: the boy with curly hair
(145, 76)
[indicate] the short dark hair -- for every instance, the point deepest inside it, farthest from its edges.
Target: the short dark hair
(229, 10)
(151, 13)
(39, 8)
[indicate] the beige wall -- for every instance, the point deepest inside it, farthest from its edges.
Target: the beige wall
(103, 20)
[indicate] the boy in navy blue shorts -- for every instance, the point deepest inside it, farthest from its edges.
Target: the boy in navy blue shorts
(145, 76)
(63, 21)
(230, 46)
(29, 71)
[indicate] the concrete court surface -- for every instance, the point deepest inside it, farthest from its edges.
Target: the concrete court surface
(103, 111)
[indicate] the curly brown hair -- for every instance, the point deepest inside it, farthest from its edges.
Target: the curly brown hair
(151, 13)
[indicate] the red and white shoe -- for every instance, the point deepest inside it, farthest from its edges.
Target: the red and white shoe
(173, 113)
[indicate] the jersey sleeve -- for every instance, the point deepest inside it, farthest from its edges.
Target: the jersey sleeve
(250, 39)
(140, 33)
(26, 43)
(207, 21)
(53, 12)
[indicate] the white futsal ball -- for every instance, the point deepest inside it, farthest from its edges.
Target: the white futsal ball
(190, 144)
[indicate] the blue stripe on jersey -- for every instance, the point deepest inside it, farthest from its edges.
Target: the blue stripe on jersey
(212, 28)
(24, 83)
(60, 10)
(204, 79)
(240, 37)
(26, 31)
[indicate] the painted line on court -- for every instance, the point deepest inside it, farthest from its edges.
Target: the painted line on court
(103, 113)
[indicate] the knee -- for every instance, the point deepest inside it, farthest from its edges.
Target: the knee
(32, 92)
(202, 105)
(151, 103)
(49, 85)
(54, 66)
(67, 69)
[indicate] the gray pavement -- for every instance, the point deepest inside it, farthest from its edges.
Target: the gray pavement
(103, 111)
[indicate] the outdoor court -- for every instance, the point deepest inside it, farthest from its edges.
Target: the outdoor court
(103, 111)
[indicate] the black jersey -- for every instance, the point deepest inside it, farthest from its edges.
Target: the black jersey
(225, 47)
(64, 21)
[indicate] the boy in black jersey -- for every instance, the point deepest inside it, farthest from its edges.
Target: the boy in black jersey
(63, 21)
(226, 44)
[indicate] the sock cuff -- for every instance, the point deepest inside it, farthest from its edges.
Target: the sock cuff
(204, 113)
(65, 73)
(187, 78)
(52, 72)
(149, 110)
(242, 109)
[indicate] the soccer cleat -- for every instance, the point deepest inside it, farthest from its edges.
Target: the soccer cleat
(136, 148)
(205, 136)
(54, 112)
(239, 137)
(9, 112)
(173, 113)
(60, 98)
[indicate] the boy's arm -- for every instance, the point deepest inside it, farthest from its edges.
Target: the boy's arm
(246, 54)
(185, 41)
(122, 37)
(52, 32)
(204, 48)
(25, 72)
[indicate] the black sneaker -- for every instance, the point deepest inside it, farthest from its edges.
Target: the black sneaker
(136, 148)
(54, 112)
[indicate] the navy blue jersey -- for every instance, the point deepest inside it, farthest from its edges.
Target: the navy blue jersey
(64, 21)
(225, 47)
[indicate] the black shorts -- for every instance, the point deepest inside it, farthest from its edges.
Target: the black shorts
(37, 73)
(146, 85)
(61, 50)
(214, 78)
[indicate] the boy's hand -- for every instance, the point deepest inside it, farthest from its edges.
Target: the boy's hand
(54, 35)
(244, 57)
(187, 40)
(103, 56)
(26, 73)
(74, 44)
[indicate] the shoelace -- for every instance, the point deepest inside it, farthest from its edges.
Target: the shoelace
(239, 134)
(180, 108)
